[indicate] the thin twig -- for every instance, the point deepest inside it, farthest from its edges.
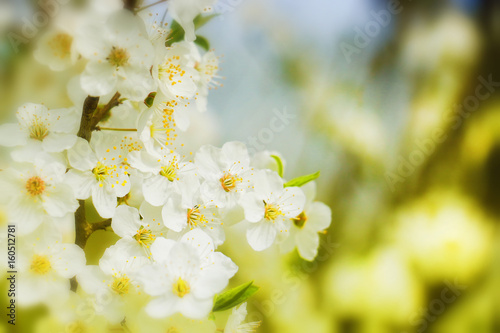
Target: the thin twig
(103, 112)
(150, 5)
(100, 225)
(99, 128)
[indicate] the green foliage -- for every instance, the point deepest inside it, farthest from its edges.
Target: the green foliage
(302, 180)
(280, 164)
(234, 297)
(177, 33)
(202, 42)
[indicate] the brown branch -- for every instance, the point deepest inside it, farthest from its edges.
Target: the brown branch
(100, 225)
(89, 107)
(130, 4)
(103, 112)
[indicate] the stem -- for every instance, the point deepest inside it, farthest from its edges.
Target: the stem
(100, 225)
(129, 4)
(150, 5)
(103, 112)
(89, 107)
(98, 128)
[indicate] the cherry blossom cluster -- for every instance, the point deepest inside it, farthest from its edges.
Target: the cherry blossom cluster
(117, 151)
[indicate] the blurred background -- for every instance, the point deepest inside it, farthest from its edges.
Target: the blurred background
(397, 103)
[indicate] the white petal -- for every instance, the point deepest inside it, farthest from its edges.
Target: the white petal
(58, 142)
(81, 183)
(81, 156)
(29, 152)
(105, 201)
(206, 160)
(68, 260)
(161, 249)
(174, 215)
(253, 207)
(195, 308)
(12, 135)
(292, 201)
(319, 216)
(126, 221)
(136, 85)
(261, 235)
(236, 152)
(200, 241)
(60, 201)
(156, 190)
(162, 307)
(98, 79)
(307, 244)
(144, 161)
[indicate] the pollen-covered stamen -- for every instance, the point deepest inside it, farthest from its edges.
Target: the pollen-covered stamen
(40, 265)
(61, 45)
(35, 186)
(170, 171)
(271, 212)
(196, 218)
(118, 57)
(170, 70)
(144, 237)
(121, 285)
(181, 288)
(229, 181)
(38, 129)
(300, 220)
(101, 172)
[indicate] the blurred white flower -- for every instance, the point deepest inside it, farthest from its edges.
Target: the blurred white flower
(235, 321)
(37, 191)
(120, 57)
(45, 267)
(40, 130)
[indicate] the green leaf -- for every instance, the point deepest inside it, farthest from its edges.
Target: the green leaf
(202, 42)
(234, 297)
(280, 164)
(177, 33)
(299, 181)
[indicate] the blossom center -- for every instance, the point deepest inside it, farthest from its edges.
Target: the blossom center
(38, 130)
(271, 212)
(118, 57)
(172, 330)
(229, 181)
(100, 172)
(61, 45)
(195, 217)
(121, 285)
(40, 265)
(300, 220)
(181, 288)
(144, 237)
(170, 70)
(169, 172)
(35, 186)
